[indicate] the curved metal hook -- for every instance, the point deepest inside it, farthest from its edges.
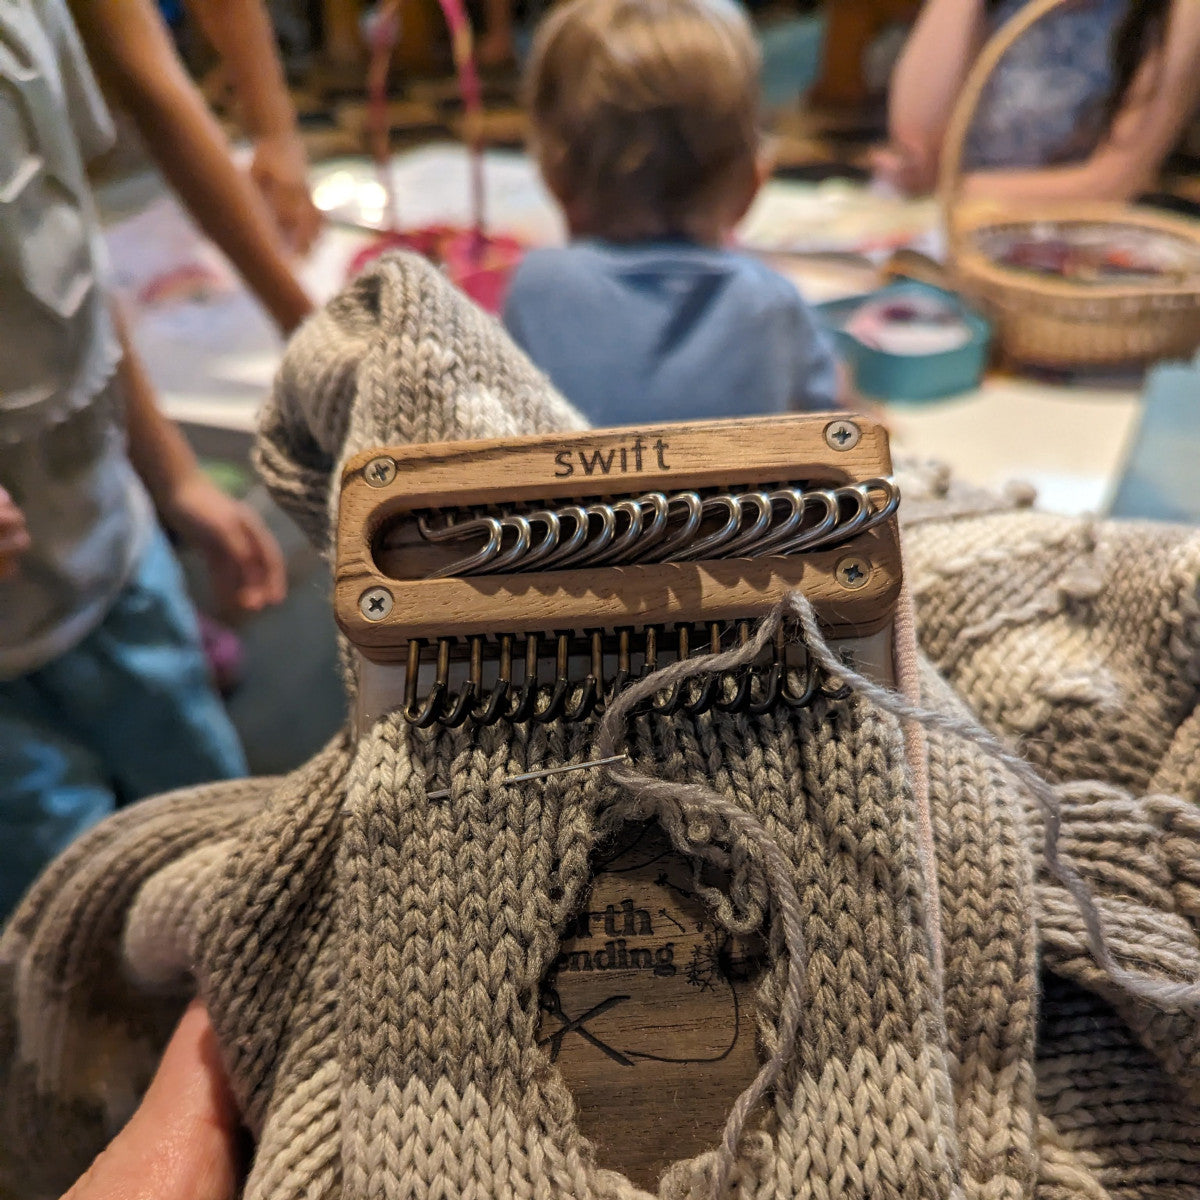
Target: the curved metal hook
(596, 546)
(517, 551)
(526, 699)
(797, 503)
(862, 513)
(489, 712)
(705, 545)
(770, 696)
(464, 566)
(764, 502)
(807, 539)
(623, 543)
(891, 499)
(431, 710)
(578, 535)
(553, 525)
(655, 531)
(693, 508)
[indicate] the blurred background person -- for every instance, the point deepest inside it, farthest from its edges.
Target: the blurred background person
(1087, 104)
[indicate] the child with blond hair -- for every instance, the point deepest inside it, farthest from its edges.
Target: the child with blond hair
(645, 126)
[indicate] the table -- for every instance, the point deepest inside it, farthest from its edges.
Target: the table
(213, 353)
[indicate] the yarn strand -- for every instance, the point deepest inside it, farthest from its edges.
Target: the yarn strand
(775, 865)
(1169, 996)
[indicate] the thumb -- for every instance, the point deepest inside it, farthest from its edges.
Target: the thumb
(181, 1144)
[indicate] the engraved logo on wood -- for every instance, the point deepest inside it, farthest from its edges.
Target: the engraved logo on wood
(639, 455)
(649, 997)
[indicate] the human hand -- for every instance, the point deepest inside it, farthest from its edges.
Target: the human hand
(280, 171)
(903, 168)
(181, 1144)
(244, 561)
(14, 536)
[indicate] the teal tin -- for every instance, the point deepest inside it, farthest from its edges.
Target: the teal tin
(910, 377)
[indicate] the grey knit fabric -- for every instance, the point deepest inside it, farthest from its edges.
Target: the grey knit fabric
(371, 958)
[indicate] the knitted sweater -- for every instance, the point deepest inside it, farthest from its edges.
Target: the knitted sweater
(370, 959)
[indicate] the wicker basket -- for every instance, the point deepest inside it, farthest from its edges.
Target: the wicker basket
(1059, 322)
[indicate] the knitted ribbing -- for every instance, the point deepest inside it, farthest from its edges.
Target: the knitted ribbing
(986, 881)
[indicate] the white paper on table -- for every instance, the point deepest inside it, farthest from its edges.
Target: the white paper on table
(433, 187)
(837, 216)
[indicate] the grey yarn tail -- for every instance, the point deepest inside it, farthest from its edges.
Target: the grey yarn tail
(1164, 994)
(778, 873)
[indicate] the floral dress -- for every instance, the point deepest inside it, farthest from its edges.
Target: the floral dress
(1045, 104)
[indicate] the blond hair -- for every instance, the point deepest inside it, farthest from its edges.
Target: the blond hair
(645, 114)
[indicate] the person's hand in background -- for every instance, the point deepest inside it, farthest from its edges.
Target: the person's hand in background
(903, 168)
(280, 171)
(182, 1143)
(131, 52)
(241, 33)
(14, 536)
(245, 565)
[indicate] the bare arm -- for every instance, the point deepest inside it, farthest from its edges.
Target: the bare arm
(244, 561)
(133, 56)
(928, 77)
(1160, 102)
(240, 32)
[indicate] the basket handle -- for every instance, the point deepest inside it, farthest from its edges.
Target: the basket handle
(950, 173)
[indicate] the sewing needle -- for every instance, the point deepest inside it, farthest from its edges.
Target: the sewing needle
(444, 794)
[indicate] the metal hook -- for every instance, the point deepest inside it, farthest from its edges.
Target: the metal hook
(429, 712)
(702, 547)
(461, 704)
(624, 669)
(527, 696)
(771, 686)
(561, 688)
(578, 536)
(862, 512)
(762, 501)
(655, 531)
(693, 508)
(675, 694)
(464, 566)
(493, 710)
(806, 539)
(596, 546)
(797, 503)
(812, 680)
(891, 498)
(624, 542)
(517, 551)
(743, 680)
(553, 525)
(706, 685)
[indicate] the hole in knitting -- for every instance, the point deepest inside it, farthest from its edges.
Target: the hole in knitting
(650, 995)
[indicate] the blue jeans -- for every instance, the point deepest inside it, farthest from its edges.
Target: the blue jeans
(127, 713)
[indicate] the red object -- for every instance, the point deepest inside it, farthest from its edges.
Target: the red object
(480, 264)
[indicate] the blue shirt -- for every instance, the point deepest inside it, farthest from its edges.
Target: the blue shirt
(668, 331)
